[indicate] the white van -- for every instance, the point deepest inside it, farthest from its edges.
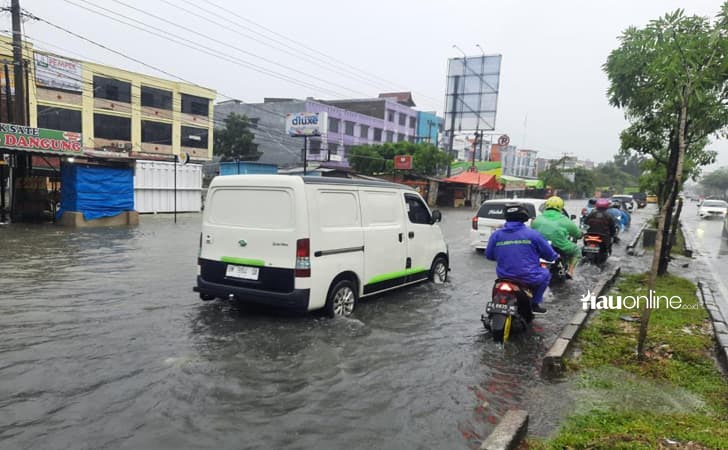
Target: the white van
(306, 243)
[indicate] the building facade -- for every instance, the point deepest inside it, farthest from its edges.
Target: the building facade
(429, 127)
(117, 110)
(519, 162)
(350, 123)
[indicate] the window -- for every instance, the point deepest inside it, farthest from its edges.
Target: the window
(280, 214)
(194, 137)
(402, 119)
(195, 105)
(495, 210)
(112, 89)
(390, 115)
(112, 127)
(156, 98)
(390, 136)
(156, 132)
(59, 118)
(364, 131)
(348, 128)
(333, 125)
(314, 147)
(400, 137)
(333, 149)
(417, 211)
(412, 122)
(378, 134)
(411, 139)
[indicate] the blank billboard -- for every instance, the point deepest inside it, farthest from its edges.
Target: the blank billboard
(472, 92)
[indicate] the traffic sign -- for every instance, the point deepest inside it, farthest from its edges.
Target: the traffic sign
(504, 140)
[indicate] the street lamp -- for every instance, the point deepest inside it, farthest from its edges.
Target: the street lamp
(481, 49)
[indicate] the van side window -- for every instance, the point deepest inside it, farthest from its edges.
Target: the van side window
(338, 210)
(416, 210)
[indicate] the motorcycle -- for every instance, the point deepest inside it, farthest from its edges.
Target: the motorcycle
(558, 268)
(596, 250)
(510, 301)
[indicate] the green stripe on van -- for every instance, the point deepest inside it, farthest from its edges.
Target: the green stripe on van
(243, 261)
(398, 274)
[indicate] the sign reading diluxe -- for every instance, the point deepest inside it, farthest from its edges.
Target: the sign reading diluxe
(43, 140)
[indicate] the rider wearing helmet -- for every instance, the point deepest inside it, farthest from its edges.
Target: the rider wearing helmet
(599, 221)
(620, 216)
(556, 228)
(516, 249)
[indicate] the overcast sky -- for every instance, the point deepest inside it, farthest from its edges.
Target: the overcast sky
(552, 92)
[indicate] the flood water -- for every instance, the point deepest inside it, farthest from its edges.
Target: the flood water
(104, 345)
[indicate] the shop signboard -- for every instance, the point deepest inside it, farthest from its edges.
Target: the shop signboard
(306, 124)
(41, 140)
(57, 73)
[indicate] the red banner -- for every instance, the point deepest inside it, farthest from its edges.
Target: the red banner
(403, 162)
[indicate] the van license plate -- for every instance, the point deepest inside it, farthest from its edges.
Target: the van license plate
(244, 272)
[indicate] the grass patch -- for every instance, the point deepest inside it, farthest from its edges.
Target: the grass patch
(676, 394)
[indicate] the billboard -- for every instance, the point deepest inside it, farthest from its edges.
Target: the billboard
(57, 73)
(403, 162)
(472, 92)
(306, 123)
(19, 137)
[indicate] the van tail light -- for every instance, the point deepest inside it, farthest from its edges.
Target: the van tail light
(303, 258)
(475, 223)
(199, 249)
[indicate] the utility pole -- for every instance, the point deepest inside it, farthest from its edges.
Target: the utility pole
(18, 64)
(452, 119)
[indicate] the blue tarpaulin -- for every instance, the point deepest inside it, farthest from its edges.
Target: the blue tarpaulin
(96, 191)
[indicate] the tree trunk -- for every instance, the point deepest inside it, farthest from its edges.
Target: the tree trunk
(677, 177)
(669, 219)
(675, 225)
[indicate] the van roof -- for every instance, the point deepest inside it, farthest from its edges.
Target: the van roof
(291, 180)
(353, 182)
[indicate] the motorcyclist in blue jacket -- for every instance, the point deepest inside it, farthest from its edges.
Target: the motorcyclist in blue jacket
(516, 249)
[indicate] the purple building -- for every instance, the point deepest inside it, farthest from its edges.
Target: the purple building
(351, 122)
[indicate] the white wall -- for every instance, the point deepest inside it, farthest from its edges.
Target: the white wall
(154, 187)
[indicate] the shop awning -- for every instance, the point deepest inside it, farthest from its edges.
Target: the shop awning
(511, 181)
(481, 180)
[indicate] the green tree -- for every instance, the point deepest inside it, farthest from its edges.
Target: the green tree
(716, 182)
(236, 141)
(670, 79)
(427, 159)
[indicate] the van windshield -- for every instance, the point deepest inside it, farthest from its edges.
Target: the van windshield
(251, 208)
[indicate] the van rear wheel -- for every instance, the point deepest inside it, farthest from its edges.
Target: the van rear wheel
(438, 270)
(341, 300)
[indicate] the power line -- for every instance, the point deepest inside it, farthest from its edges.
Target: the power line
(308, 47)
(147, 13)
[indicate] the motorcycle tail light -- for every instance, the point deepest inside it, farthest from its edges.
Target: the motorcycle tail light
(505, 287)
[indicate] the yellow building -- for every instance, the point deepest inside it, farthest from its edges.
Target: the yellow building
(116, 110)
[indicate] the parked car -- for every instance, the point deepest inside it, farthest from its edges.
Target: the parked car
(626, 201)
(713, 208)
(640, 198)
(651, 198)
(306, 243)
(491, 216)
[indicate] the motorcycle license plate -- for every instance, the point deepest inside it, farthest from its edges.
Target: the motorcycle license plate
(500, 308)
(591, 249)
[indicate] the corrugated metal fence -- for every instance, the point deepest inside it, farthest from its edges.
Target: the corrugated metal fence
(154, 187)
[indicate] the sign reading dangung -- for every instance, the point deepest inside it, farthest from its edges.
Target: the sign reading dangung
(306, 124)
(20, 137)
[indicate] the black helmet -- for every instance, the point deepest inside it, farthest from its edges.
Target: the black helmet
(592, 201)
(515, 212)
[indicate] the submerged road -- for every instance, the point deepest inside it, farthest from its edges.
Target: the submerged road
(104, 345)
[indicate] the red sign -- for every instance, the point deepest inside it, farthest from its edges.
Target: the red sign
(403, 162)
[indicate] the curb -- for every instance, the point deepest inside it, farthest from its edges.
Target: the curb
(631, 246)
(553, 362)
(688, 245)
(720, 326)
(509, 432)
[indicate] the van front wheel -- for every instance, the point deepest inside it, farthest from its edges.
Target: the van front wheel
(438, 271)
(341, 300)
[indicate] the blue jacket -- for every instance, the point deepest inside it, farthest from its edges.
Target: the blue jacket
(620, 216)
(516, 250)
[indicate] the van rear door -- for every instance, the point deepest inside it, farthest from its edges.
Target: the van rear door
(249, 236)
